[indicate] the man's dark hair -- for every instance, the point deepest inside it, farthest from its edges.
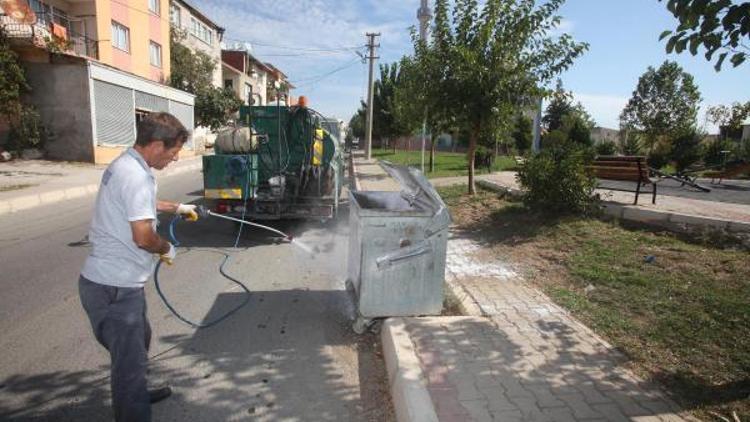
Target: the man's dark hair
(161, 127)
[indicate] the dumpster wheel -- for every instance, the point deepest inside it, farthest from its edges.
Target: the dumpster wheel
(362, 325)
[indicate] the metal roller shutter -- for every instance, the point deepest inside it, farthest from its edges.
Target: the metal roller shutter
(150, 102)
(183, 113)
(115, 115)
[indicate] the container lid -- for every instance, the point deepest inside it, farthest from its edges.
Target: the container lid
(417, 190)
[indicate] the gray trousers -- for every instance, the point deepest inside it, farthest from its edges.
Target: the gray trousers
(118, 319)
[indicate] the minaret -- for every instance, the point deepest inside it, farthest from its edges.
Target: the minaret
(424, 14)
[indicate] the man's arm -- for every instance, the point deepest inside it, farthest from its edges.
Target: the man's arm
(166, 206)
(145, 238)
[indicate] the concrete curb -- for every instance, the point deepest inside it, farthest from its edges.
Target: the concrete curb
(30, 201)
(672, 221)
(353, 173)
(496, 187)
(411, 399)
(466, 301)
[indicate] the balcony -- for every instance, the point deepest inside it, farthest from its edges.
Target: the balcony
(50, 36)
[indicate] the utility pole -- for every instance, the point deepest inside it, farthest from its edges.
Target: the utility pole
(424, 15)
(370, 91)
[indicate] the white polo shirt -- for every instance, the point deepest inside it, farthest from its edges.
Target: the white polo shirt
(127, 193)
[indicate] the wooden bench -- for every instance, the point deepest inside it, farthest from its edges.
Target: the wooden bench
(625, 168)
(730, 170)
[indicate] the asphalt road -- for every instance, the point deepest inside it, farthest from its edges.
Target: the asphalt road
(730, 191)
(290, 354)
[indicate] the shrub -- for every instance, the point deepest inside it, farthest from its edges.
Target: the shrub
(713, 155)
(26, 131)
(606, 148)
(522, 134)
(630, 144)
(686, 150)
(557, 180)
(484, 157)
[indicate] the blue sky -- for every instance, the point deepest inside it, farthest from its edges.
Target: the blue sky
(623, 38)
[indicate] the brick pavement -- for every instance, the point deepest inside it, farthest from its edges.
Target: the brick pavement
(526, 359)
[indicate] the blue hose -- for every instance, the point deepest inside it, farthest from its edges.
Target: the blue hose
(174, 312)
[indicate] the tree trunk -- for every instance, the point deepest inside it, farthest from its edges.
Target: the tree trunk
(473, 136)
(432, 153)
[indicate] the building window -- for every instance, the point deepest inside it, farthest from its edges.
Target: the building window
(228, 83)
(175, 15)
(154, 51)
(201, 31)
(120, 37)
(153, 6)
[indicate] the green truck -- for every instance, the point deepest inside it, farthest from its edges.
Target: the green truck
(278, 162)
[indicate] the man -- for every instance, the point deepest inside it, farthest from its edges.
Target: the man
(124, 239)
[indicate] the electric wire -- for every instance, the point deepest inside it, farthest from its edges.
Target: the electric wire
(314, 80)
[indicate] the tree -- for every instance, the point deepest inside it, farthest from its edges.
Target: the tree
(192, 72)
(522, 134)
(565, 121)
(560, 105)
(686, 149)
(493, 60)
(12, 80)
(384, 122)
(729, 119)
(716, 25)
(664, 104)
(419, 98)
(357, 124)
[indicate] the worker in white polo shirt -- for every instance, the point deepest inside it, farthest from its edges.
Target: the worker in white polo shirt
(125, 247)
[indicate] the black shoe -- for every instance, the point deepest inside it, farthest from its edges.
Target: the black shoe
(158, 394)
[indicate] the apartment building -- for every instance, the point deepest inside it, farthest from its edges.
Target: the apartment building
(245, 75)
(96, 67)
(201, 33)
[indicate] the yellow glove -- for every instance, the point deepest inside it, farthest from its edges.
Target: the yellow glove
(168, 258)
(188, 211)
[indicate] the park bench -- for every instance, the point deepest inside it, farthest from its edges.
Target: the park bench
(729, 171)
(625, 168)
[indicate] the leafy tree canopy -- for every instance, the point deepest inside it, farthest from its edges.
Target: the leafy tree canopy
(721, 26)
(489, 61)
(664, 104)
(193, 72)
(12, 79)
(730, 116)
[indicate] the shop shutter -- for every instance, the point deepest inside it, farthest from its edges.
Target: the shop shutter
(183, 113)
(115, 114)
(150, 102)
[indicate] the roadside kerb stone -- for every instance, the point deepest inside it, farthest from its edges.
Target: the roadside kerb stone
(411, 399)
(467, 304)
(30, 201)
(504, 190)
(668, 220)
(353, 173)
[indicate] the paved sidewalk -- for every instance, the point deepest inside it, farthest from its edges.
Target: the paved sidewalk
(25, 184)
(520, 358)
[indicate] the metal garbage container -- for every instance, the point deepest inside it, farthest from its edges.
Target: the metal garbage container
(397, 245)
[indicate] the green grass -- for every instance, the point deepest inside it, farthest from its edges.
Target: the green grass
(683, 319)
(447, 164)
